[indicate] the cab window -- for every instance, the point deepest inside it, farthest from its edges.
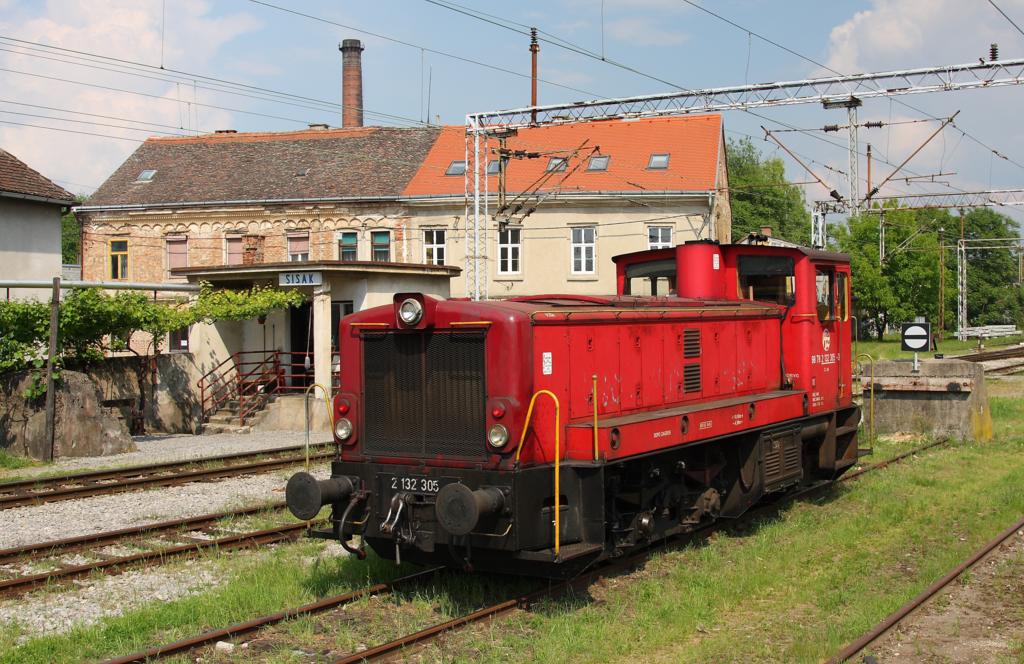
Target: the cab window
(651, 278)
(824, 283)
(843, 295)
(766, 278)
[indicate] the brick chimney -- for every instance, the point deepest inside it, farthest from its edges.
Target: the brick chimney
(351, 83)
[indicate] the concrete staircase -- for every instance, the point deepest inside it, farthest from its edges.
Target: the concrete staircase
(225, 420)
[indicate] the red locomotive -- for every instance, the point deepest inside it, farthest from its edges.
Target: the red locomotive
(539, 434)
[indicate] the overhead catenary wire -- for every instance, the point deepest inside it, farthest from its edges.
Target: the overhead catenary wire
(1010, 20)
(170, 75)
(462, 9)
(403, 42)
(903, 103)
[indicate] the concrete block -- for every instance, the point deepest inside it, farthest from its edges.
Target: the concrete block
(944, 398)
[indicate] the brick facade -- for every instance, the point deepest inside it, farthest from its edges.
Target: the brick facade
(264, 232)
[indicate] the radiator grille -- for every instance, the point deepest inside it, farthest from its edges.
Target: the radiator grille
(782, 459)
(424, 394)
(691, 378)
(691, 343)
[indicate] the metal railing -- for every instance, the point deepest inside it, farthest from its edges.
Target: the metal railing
(246, 380)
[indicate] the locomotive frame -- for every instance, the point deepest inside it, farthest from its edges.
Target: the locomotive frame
(538, 435)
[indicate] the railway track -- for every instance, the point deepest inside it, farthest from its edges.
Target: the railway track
(898, 616)
(116, 550)
(989, 355)
(428, 634)
(119, 480)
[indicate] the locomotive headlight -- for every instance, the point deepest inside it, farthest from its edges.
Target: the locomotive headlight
(410, 311)
(343, 428)
(497, 436)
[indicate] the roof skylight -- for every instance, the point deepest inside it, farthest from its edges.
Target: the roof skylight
(146, 175)
(658, 162)
(456, 168)
(556, 164)
(598, 163)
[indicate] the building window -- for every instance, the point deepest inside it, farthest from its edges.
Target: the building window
(146, 175)
(380, 246)
(658, 162)
(178, 341)
(583, 250)
(556, 164)
(348, 246)
(510, 247)
(456, 168)
(433, 246)
(298, 247)
(177, 252)
(598, 163)
(119, 260)
(233, 249)
(659, 237)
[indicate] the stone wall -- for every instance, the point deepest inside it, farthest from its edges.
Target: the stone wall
(83, 426)
(154, 394)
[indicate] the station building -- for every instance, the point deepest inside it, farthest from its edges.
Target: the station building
(353, 215)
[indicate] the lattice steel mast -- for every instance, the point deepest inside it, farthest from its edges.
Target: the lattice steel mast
(832, 91)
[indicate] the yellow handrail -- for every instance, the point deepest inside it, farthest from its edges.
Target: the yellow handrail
(871, 398)
(330, 415)
(595, 416)
(558, 455)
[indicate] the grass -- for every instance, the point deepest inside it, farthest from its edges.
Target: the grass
(792, 587)
(889, 348)
(10, 461)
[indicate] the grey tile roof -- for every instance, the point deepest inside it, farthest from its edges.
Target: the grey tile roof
(365, 162)
(17, 178)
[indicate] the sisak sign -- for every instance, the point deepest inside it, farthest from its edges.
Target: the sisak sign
(914, 336)
(300, 279)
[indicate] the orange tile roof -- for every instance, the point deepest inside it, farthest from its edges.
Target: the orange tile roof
(692, 141)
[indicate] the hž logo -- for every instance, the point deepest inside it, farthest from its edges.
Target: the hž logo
(826, 340)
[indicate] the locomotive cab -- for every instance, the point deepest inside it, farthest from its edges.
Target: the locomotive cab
(539, 434)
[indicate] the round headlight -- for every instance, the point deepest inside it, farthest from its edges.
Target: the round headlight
(497, 435)
(343, 428)
(410, 311)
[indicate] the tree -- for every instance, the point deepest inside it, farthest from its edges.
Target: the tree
(994, 293)
(760, 195)
(71, 236)
(908, 283)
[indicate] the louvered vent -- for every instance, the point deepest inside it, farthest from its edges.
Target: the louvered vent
(691, 343)
(691, 378)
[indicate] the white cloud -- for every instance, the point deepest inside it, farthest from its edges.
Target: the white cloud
(115, 28)
(640, 31)
(903, 34)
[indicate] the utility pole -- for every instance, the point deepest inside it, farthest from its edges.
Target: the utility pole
(534, 50)
(51, 398)
(942, 281)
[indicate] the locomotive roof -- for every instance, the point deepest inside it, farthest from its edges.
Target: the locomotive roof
(810, 252)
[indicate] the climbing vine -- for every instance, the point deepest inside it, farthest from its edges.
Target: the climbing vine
(92, 322)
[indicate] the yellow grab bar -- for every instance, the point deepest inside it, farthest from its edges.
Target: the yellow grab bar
(330, 415)
(558, 455)
(871, 398)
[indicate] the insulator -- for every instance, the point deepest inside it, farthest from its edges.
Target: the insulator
(993, 52)
(877, 124)
(832, 127)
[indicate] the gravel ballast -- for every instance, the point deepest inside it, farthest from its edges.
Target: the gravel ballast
(175, 447)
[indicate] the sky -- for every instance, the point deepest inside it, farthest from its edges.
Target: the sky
(91, 100)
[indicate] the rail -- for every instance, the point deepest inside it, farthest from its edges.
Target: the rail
(558, 455)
